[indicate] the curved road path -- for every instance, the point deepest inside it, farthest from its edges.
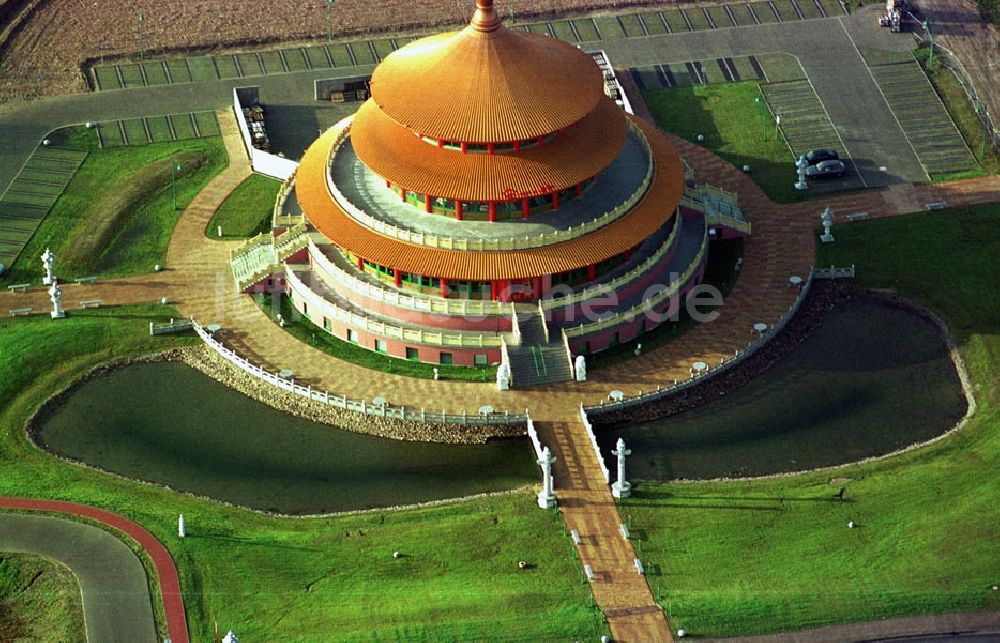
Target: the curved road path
(113, 583)
(116, 601)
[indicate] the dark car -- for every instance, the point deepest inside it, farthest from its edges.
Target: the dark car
(818, 156)
(826, 170)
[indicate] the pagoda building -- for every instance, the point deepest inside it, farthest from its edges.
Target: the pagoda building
(490, 203)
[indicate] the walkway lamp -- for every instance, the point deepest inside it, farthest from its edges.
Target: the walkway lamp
(329, 20)
(174, 171)
(142, 44)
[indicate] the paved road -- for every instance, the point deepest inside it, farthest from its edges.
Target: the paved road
(173, 604)
(116, 603)
(827, 52)
(824, 47)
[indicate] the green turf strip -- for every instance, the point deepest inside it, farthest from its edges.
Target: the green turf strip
(564, 31)
(179, 72)
(107, 78)
(317, 57)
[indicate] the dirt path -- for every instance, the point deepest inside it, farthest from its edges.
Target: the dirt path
(173, 603)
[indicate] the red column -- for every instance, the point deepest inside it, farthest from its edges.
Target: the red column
(403, 192)
(591, 272)
(493, 211)
(517, 145)
(399, 278)
(537, 287)
(628, 255)
(388, 183)
(444, 287)
(428, 203)
(525, 207)
(494, 290)
(555, 200)
(504, 293)
(579, 188)
(458, 210)
(440, 142)
(538, 141)
(465, 147)
(361, 263)
(489, 149)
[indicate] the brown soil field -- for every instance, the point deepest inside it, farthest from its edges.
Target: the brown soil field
(44, 54)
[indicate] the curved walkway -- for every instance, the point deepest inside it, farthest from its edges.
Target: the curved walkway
(112, 581)
(115, 592)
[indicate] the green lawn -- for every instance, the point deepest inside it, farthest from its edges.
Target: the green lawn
(735, 127)
(145, 233)
(294, 579)
(306, 331)
(750, 557)
(963, 112)
(39, 599)
(247, 211)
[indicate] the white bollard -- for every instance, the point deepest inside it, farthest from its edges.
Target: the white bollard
(181, 532)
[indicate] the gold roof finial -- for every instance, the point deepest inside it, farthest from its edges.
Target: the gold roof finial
(485, 18)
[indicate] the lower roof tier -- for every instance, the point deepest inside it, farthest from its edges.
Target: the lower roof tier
(398, 155)
(648, 215)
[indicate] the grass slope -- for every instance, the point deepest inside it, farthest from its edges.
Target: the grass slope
(141, 242)
(39, 600)
(247, 210)
(296, 579)
(734, 126)
(963, 112)
(763, 556)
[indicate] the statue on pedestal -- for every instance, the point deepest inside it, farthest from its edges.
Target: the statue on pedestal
(581, 369)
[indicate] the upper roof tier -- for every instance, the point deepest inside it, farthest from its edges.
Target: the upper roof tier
(487, 84)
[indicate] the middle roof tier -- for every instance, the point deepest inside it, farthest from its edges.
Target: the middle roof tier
(577, 154)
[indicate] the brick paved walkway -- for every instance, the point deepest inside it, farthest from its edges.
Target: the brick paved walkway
(198, 281)
(173, 602)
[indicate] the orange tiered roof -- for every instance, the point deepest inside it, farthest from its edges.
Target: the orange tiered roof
(652, 212)
(487, 84)
(579, 153)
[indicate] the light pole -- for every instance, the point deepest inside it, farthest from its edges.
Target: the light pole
(174, 171)
(329, 20)
(142, 42)
(926, 24)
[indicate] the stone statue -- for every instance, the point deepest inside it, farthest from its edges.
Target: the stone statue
(802, 164)
(547, 496)
(48, 262)
(827, 218)
(55, 294)
(581, 368)
(503, 377)
(621, 488)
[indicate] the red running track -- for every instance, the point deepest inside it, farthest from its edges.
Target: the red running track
(173, 602)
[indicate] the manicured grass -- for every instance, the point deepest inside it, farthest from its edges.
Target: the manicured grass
(247, 211)
(296, 59)
(250, 64)
(272, 62)
(317, 57)
(179, 72)
(296, 579)
(654, 25)
(734, 127)
(962, 111)
(39, 599)
(564, 31)
(767, 555)
(142, 240)
(340, 55)
(587, 30)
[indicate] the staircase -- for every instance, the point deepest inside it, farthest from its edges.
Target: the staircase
(535, 360)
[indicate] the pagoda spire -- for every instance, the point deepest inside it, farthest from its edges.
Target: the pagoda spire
(485, 19)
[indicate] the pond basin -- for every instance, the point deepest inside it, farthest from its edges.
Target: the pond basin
(872, 379)
(166, 423)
